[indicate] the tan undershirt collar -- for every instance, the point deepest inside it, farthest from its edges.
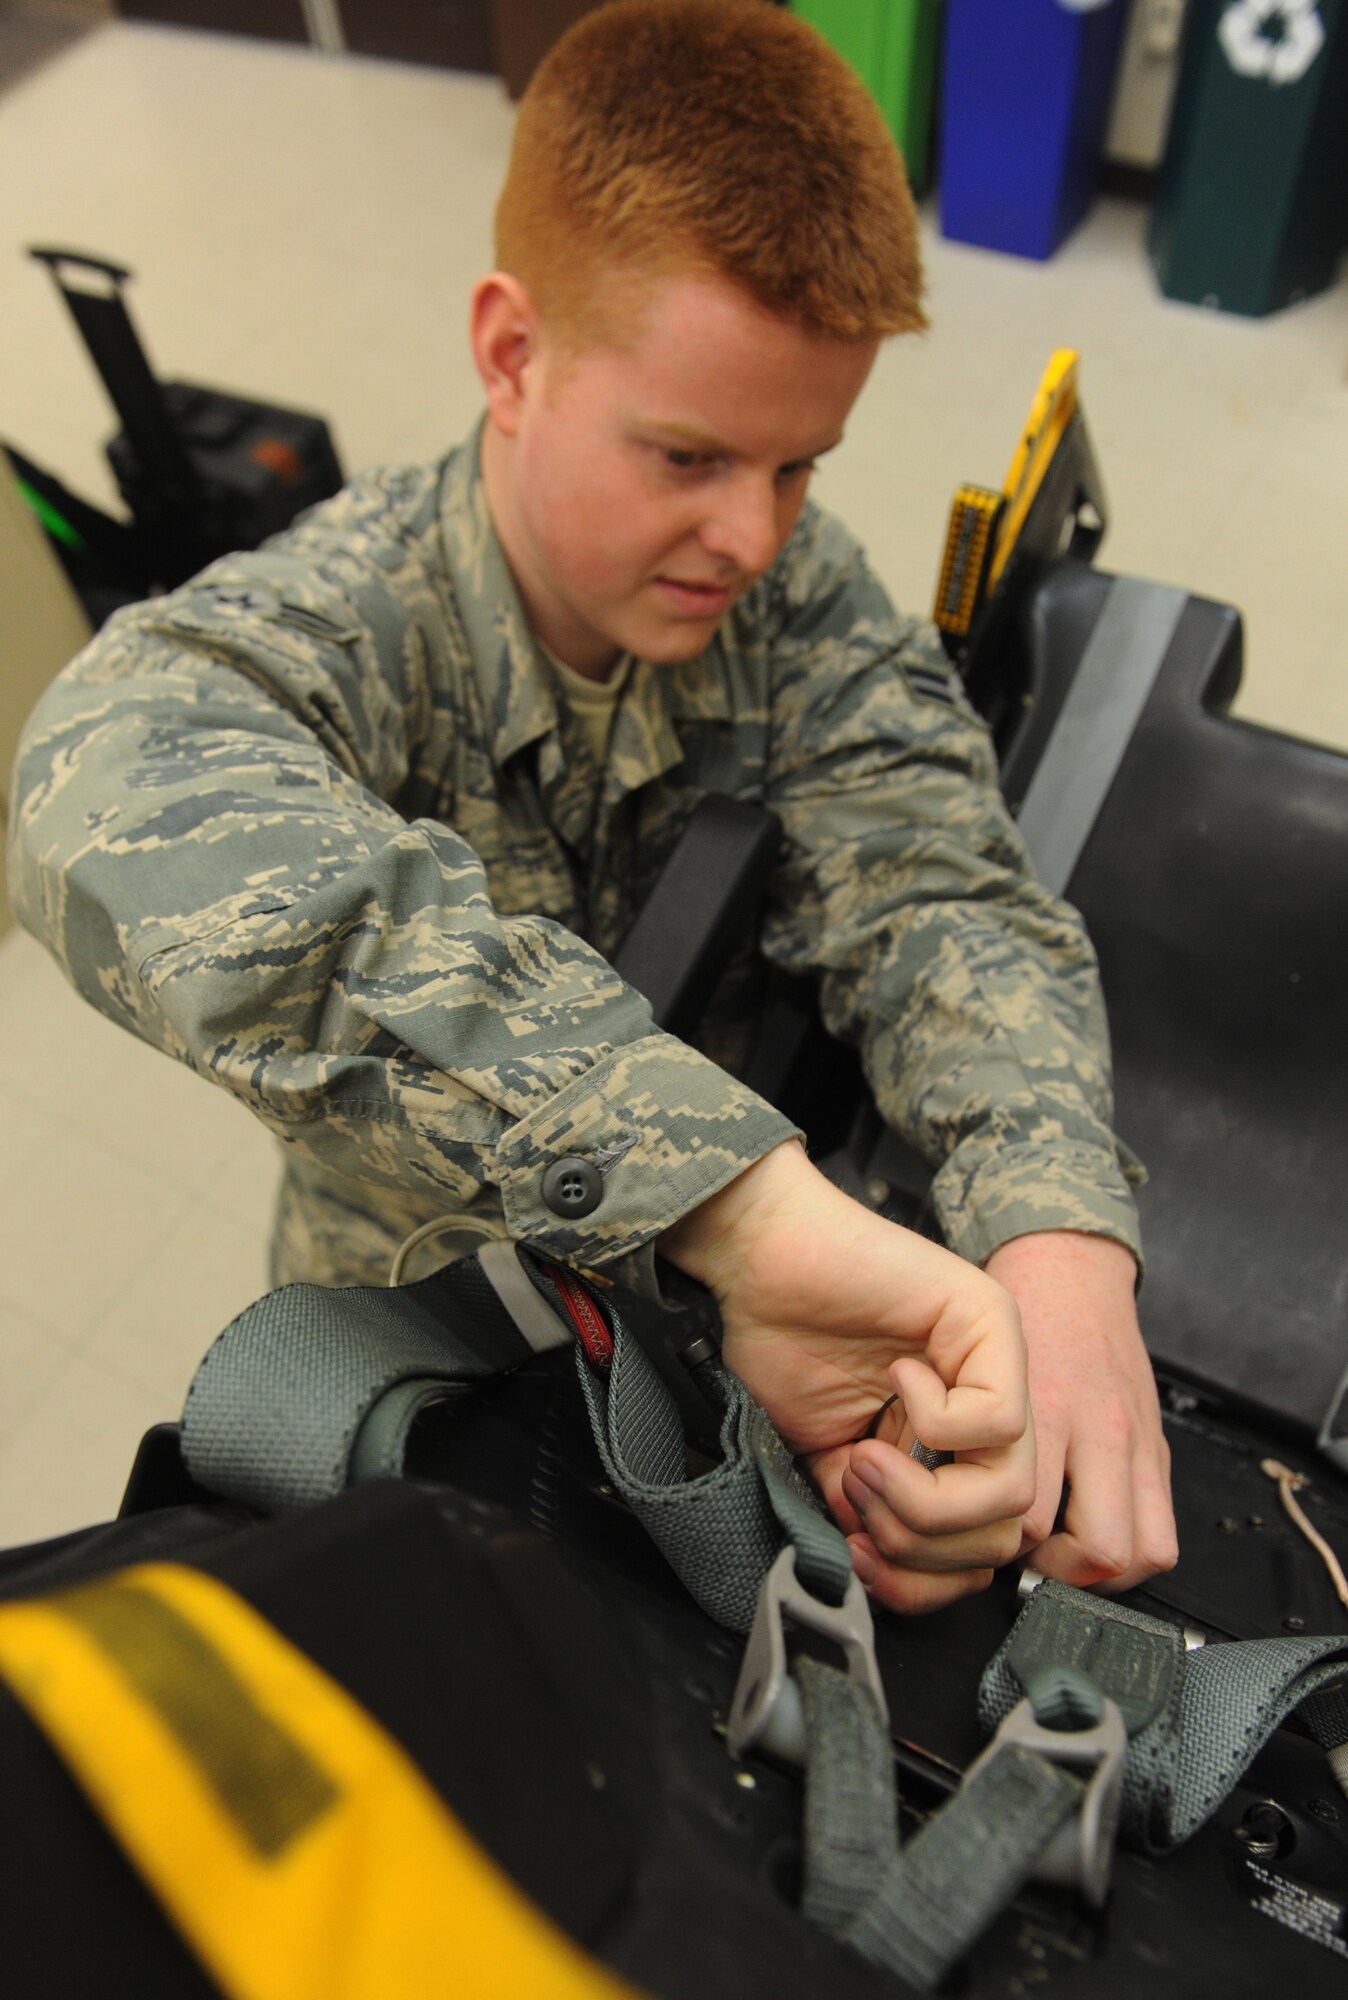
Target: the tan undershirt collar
(593, 703)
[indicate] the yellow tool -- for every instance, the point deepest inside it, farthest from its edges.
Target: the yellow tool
(988, 526)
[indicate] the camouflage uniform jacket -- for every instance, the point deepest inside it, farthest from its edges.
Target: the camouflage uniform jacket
(320, 825)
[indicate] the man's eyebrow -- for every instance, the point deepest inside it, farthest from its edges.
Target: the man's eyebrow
(688, 438)
(811, 456)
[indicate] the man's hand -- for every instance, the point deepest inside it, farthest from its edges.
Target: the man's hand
(829, 1310)
(1097, 1421)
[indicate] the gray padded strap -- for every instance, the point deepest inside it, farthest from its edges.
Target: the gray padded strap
(274, 1410)
(1085, 748)
(1195, 1720)
(1235, 1696)
(311, 1387)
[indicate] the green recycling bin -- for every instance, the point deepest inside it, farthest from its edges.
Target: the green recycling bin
(1252, 208)
(892, 45)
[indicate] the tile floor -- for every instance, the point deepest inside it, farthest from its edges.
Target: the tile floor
(308, 229)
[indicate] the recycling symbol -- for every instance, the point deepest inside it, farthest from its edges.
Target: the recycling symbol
(1274, 39)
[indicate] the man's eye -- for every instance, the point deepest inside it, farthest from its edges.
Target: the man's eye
(685, 461)
(800, 468)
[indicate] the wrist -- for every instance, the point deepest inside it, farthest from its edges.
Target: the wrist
(1058, 1255)
(713, 1236)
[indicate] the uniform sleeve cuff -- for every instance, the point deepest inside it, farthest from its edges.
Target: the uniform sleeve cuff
(654, 1130)
(1028, 1188)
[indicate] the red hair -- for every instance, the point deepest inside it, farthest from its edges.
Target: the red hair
(721, 136)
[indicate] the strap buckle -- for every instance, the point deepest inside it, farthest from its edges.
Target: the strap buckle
(1081, 1854)
(766, 1711)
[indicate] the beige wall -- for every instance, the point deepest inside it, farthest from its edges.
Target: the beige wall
(41, 626)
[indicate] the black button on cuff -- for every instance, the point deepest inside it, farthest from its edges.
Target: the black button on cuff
(573, 1188)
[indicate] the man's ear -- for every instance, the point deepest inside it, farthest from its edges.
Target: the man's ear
(503, 327)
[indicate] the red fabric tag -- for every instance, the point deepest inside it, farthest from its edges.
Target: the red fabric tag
(587, 1319)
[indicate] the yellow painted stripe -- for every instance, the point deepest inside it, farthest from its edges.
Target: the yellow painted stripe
(1054, 401)
(295, 1845)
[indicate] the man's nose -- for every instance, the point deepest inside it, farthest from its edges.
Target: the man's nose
(742, 526)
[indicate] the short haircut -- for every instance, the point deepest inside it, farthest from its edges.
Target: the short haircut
(719, 136)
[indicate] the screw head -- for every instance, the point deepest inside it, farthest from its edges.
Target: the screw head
(1264, 1830)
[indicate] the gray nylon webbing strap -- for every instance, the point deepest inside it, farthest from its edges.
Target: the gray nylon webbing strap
(313, 1387)
(918, 1910)
(720, 1531)
(851, 1829)
(274, 1410)
(965, 1866)
(823, 1560)
(1195, 1720)
(1235, 1697)
(1117, 672)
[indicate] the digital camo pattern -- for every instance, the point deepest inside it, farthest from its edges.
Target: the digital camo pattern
(321, 825)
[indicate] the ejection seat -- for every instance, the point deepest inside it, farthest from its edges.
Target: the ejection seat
(1212, 878)
(1209, 858)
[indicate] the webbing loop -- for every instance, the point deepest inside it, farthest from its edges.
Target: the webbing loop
(766, 1711)
(1080, 1855)
(1195, 1719)
(915, 1911)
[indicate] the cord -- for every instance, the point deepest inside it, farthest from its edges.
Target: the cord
(413, 1242)
(1288, 1481)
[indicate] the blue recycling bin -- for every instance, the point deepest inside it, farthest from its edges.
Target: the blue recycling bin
(1026, 95)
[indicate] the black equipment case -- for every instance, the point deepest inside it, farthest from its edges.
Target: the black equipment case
(202, 472)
